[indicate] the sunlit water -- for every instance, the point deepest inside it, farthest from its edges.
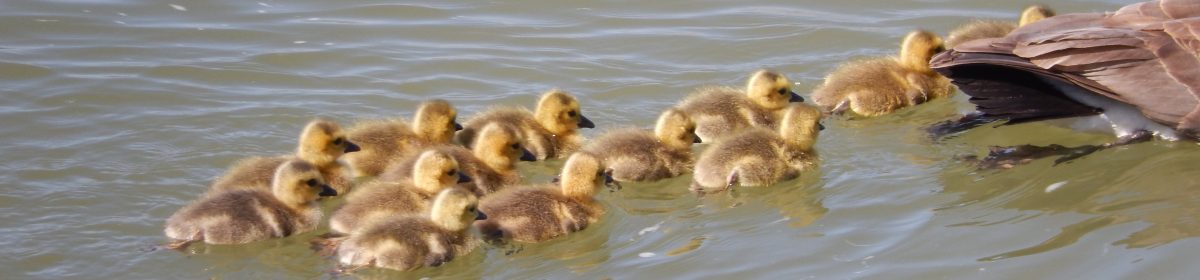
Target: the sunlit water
(117, 113)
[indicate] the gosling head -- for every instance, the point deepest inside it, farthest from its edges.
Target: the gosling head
(918, 47)
(436, 120)
(500, 146)
(559, 113)
(322, 142)
(676, 129)
(1034, 13)
(582, 174)
(771, 90)
(800, 126)
(297, 183)
(455, 209)
(435, 171)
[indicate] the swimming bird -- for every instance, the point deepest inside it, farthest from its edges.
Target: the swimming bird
(434, 171)
(322, 143)
(251, 214)
(980, 29)
(720, 110)
(383, 141)
(760, 156)
(1136, 68)
(878, 86)
(407, 242)
(491, 163)
(633, 154)
(543, 212)
(551, 131)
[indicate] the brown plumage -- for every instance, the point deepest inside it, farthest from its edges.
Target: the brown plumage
(433, 171)
(719, 110)
(543, 212)
(552, 131)
(759, 156)
(251, 214)
(633, 154)
(491, 163)
(413, 241)
(981, 29)
(322, 143)
(879, 86)
(384, 141)
(1137, 66)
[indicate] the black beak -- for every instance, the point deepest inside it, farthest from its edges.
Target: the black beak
(327, 191)
(527, 156)
(457, 126)
(820, 126)
(584, 122)
(795, 97)
(463, 178)
(697, 139)
(351, 147)
(479, 215)
(555, 179)
(612, 185)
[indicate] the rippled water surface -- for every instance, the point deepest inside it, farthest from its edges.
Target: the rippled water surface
(117, 113)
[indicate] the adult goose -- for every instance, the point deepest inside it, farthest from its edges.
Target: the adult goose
(1136, 68)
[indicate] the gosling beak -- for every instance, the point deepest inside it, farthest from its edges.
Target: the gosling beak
(820, 126)
(457, 126)
(554, 180)
(527, 156)
(327, 191)
(584, 122)
(463, 178)
(612, 185)
(351, 147)
(479, 215)
(795, 97)
(696, 139)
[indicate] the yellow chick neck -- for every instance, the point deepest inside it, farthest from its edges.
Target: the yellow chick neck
(450, 209)
(1035, 13)
(675, 129)
(435, 120)
(580, 176)
(918, 48)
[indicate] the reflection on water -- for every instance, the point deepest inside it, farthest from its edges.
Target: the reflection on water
(116, 113)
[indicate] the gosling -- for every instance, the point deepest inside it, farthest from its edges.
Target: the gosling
(981, 29)
(552, 131)
(759, 156)
(322, 143)
(540, 213)
(411, 242)
(719, 110)
(638, 155)
(878, 86)
(247, 215)
(434, 171)
(385, 140)
(491, 163)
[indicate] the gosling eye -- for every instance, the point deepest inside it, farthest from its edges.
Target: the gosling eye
(471, 210)
(571, 113)
(338, 141)
(783, 91)
(311, 182)
(451, 172)
(515, 146)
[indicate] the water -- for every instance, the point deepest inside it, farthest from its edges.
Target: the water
(117, 113)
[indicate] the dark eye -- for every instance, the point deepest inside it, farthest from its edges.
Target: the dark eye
(338, 141)
(571, 113)
(311, 182)
(783, 91)
(451, 172)
(472, 209)
(516, 146)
